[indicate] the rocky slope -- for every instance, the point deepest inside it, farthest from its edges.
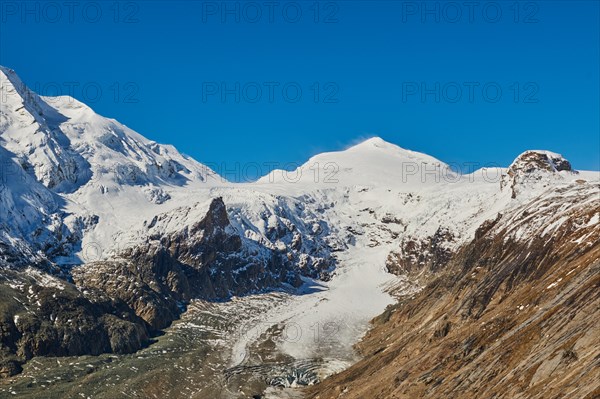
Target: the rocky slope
(44, 316)
(511, 314)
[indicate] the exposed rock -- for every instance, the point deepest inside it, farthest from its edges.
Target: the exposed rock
(9, 367)
(419, 258)
(156, 195)
(513, 314)
(57, 320)
(118, 303)
(531, 161)
(157, 278)
(534, 168)
(143, 289)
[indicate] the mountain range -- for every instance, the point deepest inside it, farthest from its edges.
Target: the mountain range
(485, 282)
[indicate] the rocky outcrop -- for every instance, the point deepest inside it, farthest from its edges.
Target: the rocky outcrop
(419, 258)
(44, 316)
(206, 260)
(142, 289)
(512, 315)
(531, 161)
(532, 169)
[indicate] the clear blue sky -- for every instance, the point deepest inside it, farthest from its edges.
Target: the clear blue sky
(374, 66)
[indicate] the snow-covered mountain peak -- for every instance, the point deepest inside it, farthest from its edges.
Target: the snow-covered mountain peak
(11, 81)
(68, 106)
(373, 162)
(537, 169)
(67, 145)
(373, 142)
(15, 97)
(102, 171)
(15, 93)
(539, 160)
(29, 130)
(376, 146)
(94, 180)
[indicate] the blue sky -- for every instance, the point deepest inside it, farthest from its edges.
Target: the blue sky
(239, 82)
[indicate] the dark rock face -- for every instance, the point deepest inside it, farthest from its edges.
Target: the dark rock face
(38, 320)
(142, 289)
(421, 257)
(512, 314)
(9, 367)
(206, 261)
(534, 167)
(532, 161)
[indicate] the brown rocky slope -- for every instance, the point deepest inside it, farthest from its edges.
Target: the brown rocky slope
(513, 314)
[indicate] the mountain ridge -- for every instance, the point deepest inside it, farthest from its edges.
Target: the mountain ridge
(132, 231)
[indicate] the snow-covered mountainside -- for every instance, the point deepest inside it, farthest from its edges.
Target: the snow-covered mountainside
(66, 145)
(91, 162)
(373, 162)
(101, 184)
(135, 228)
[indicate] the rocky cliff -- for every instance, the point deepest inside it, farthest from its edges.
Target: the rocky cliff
(207, 260)
(512, 314)
(44, 316)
